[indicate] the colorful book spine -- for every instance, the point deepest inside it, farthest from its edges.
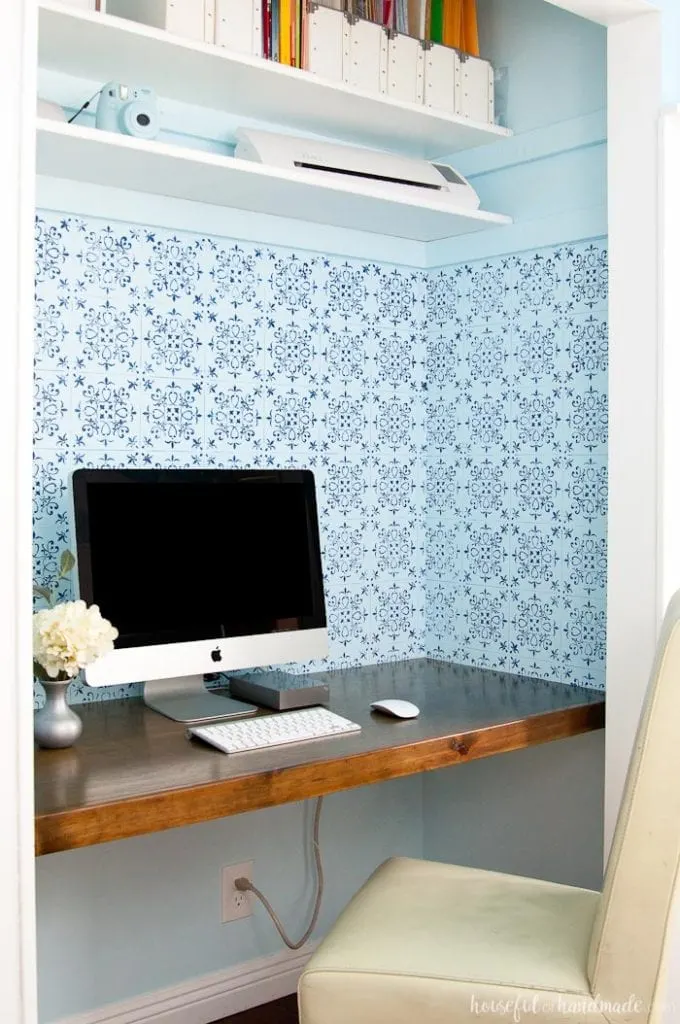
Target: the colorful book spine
(470, 40)
(414, 17)
(266, 29)
(452, 23)
(284, 32)
(437, 21)
(303, 37)
(298, 34)
(275, 30)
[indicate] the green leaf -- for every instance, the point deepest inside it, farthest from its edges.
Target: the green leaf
(43, 592)
(66, 562)
(39, 672)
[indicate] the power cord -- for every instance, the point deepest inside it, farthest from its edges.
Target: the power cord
(244, 885)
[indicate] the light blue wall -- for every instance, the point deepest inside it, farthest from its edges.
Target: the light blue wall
(131, 917)
(535, 812)
(555, 61)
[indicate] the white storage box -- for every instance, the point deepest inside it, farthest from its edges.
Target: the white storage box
(209, 20)
(476, 93)
(458, 83)
(442, 77)
(238, 26)
(180, 17)
(325, 42)
(405, 68)
(364, 58)
(84, 5)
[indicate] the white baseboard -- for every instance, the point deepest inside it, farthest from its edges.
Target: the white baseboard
(209, 998)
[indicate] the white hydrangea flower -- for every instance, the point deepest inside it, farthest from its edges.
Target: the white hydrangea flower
(69, 636)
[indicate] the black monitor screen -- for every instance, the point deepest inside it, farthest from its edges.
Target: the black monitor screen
(181, 555)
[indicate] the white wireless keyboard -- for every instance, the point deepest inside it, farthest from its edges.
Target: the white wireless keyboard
(273, 730)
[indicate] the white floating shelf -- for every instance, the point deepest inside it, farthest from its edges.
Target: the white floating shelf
(101, 47)
(104, 158)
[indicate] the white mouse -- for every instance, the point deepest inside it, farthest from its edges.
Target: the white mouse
(396, 708)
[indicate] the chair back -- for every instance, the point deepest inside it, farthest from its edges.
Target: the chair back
(641, 880)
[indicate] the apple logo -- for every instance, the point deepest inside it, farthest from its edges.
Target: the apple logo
(216, 655)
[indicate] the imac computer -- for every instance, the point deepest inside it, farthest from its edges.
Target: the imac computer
(200, 571)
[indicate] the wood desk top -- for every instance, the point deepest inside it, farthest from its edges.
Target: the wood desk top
(133, 771)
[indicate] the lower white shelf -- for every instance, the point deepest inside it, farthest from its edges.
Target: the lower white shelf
(104, 158)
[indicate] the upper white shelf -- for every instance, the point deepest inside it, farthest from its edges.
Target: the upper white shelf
(102, 48)
(103, 158)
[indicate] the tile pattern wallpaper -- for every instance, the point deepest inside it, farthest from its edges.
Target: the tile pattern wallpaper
(156, 350)
(516, 468)
(455, 422)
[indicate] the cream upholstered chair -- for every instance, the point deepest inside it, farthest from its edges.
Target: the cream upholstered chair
(426, 943)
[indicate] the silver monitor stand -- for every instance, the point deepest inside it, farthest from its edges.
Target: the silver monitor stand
(186, 699)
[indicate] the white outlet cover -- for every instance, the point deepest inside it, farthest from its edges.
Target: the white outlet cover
(235, 904)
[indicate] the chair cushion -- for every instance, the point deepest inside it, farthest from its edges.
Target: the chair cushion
(420, 937)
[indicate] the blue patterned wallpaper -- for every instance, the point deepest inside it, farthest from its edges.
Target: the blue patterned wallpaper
(517, 463)
(155, 349)
(455, 422)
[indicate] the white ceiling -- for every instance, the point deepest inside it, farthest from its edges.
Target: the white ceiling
(606, 12)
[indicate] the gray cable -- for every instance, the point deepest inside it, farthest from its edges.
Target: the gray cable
(244, 885)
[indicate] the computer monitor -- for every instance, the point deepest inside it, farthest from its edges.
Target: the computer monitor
(200, 571)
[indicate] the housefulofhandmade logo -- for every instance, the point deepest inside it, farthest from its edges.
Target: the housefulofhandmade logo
(521, 1008)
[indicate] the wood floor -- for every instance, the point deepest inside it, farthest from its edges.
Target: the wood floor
(283, 1011)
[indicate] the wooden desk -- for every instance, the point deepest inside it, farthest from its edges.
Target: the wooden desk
(134, 772)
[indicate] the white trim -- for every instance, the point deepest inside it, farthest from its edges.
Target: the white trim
(605, 12)
(17, 926)
(633, 618)
(669, 367)
(209, 998)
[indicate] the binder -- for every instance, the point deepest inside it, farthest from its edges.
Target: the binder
(298, 33)
(437, 21)
(274, 31)
(238, 25)
(267, 29)
(364, 62)
(452, 29)
(285, 26)
(405, 69)
(325, 31)
(470, 40)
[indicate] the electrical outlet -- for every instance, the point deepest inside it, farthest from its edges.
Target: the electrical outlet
(236, 904)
